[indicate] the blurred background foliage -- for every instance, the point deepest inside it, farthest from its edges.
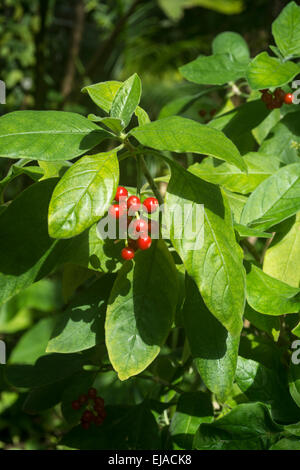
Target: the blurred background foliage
(49, 50)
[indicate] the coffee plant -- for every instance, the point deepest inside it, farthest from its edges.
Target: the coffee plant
(162, 340)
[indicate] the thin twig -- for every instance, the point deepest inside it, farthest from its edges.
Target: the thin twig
(151, 180)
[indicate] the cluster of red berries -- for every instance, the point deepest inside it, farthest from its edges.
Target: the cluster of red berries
(138, 228)
(94, 408)
(277, 99)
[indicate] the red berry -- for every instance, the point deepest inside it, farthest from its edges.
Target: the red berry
(279, 95)
(267, 97)
(127, 253)
(99, 420)
(140, 226)
(265, 90)
(151, 204)
(88, 416)
(144, 242)
(92, 393)
(121, 192)
(82, 399)
(99, 401)
(133, 204)
(76, 404)
(288, 98)
(85, 425)
(115, 211)
(101, 412)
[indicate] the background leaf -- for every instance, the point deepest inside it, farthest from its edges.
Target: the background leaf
(286, 30)
(127, 99)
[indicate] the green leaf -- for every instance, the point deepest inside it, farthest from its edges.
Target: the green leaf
(259, 168)
(284, 140)
(282, 258)
(33, 343)
(118, 432)
(294, 382)
(178, 134)
(286, 30)
(47, 135)
(286, 444)
(90, 251)
(260, 383)
(141, 310)
(268, 323)
(103, 94)
(267, 295)
(248, 426)
(24, 241)
(214, 349)
(267, 72)
(274, 200)
(233, 44)
(237, 122)
(113, 124)
(126, 100)
(245, 231)
(216, 266)
(83, 194)
(216, 69)
(193, 408)
(81, 326)
(45, 397)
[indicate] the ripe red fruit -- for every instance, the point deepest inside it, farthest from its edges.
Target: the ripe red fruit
(76, 404)
(115, 211)
(133, 204)
(88, 416)
(85, 425)
(99, 420)
(144, 242)
(279, 95)
(99, 402)
(101, 412)
(267, 97)
(82, 399)
(140, 226)
(92, 393)
(151, 204)
(127, 253)
(288, 98)
(121, 192)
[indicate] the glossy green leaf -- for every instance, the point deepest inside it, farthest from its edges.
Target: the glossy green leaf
(90, 251)
(284, 140)
(267, 295)
(126, 100)
(233, 44)
(193, 408)
(83, 194)
(294, 382)
(178, 134)
(268, 323)
(216, 69)
(259, 168)
(47, 135)
(113, 124)
(33, 343)
(286, 30)
(81, 325)
(248, 426)
(24, 241)
(245, 231)
(267, 72)
(214, 349)
(286, 444)
(260, 383)
(103, 94)
(141, 310)
(211, 254)
(274, 200)
(282, 258)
